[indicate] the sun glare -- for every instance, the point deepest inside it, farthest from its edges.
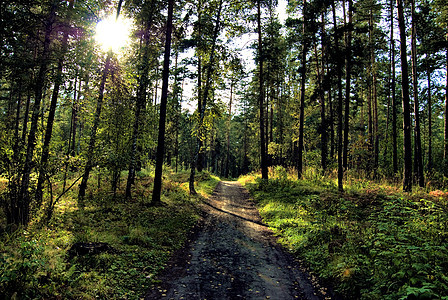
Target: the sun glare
(113, 34)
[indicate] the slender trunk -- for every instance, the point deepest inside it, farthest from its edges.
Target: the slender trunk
(96, 121)
(323, 118)
(339, 83)
(228, 131)
(394, 98)
(205, 94)
(50, 121)
(163, 101)
(23, 209)
(407, 144)
(323, 126)
(348, 63)
(26, 117)
(302, 96)
(373, 97)
(199, 162)
(140, 106)
(429, 120)
(264, 167)
(331, 109)
(418, 159)
(445, 148)
(17, 144)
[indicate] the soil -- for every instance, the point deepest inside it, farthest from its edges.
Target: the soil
(233, 255)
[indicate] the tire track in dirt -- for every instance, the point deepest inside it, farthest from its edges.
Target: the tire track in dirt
(233, 255)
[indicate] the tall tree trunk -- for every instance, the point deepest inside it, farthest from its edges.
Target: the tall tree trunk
(163, 101)
(263, 158)
(52, 110)
(96, 121)
(418, 159)
(323, 123)
(373, 112)
(407, 144)
(226, 174)
(205, 94)
(339, 110)
(348, 66)
(429, 167)
(445, 148)
(23, 202)
(394, 98)
(302, 94)
(140, 105)
(199, 162)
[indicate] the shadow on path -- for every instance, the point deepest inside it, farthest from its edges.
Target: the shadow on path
(233, 255)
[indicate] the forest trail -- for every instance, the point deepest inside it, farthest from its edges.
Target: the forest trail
(232, 255)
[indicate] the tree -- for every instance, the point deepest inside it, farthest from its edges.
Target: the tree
(339, 109)
(163, 101)
(407, 145)
(22, 211)
(348, 66)
(263, 156)
(51, 114)
(302, 91)
(418, 159)
(202, 104)
(144, 65)
(99, 104)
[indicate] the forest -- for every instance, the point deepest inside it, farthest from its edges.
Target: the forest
(331, 113)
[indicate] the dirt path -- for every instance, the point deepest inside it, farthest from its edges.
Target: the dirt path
(233, 256)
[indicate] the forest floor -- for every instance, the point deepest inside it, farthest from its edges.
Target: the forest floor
(233, 255)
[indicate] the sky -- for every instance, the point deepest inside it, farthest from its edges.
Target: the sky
(246, 53)
(110, 33)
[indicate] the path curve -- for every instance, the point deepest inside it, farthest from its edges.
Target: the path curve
(233, 255)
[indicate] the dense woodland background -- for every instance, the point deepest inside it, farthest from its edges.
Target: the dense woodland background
(332, 90)
(346, 90)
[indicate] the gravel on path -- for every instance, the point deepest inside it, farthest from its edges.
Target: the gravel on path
(233, 255)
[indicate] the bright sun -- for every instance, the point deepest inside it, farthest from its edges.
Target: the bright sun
(112, 33)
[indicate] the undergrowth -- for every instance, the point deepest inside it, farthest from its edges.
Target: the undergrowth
(371, 242)
(35, 261)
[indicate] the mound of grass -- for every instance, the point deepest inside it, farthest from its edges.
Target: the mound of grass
(371, 242)
(35, 262)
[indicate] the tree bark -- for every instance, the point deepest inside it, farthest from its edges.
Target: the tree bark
(445, 148)
(204, 94)
(302, 94)
(51, 114)
(263, 158)
(348, 66)
(394, 98)
(407, 145)
(339, 83)
(226, 173)
(96, 121)
(21, 215)
(163, 101)
(323, 121)
(140, 105)
(418, 159)
(429, 166)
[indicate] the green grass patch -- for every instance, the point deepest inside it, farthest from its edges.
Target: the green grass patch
(35, 261)
(371, 242)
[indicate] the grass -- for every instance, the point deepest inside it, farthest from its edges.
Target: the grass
(34, 261)
(371, 242)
